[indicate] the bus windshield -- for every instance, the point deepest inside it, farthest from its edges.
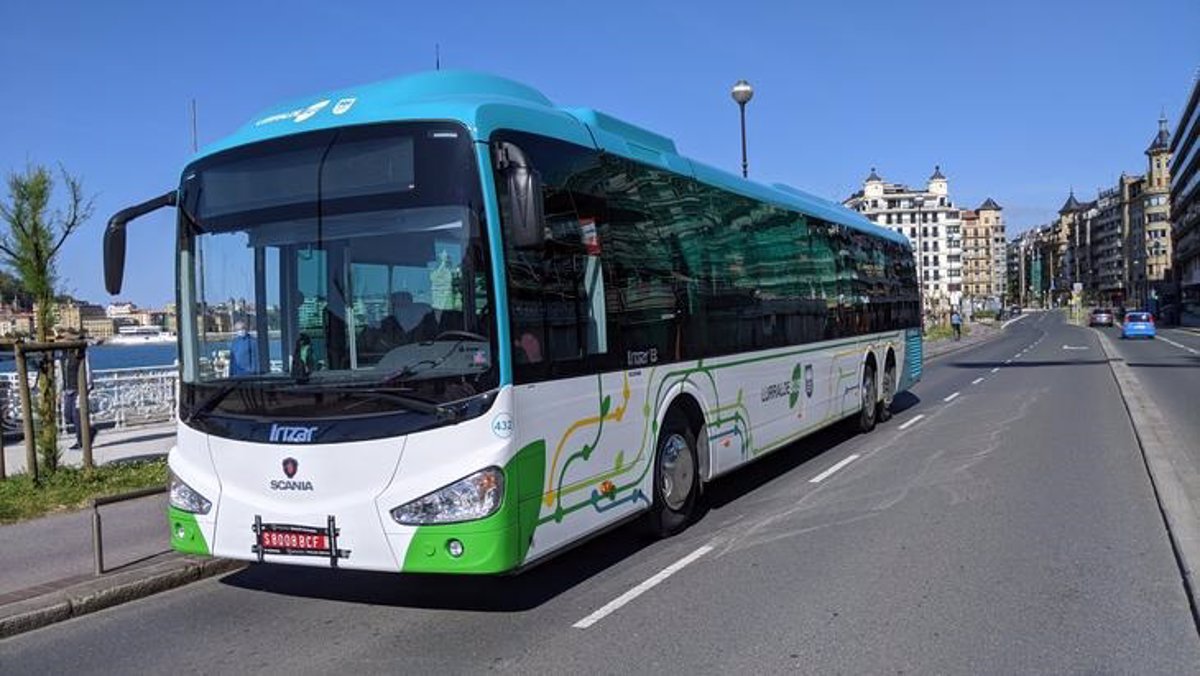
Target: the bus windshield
(335, 273)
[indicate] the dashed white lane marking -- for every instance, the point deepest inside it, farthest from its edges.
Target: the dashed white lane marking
(1007, 361)
(995, 369)
(977, 380)
(951, 397)
(1178, 345)
(829, 472)
(912, 422)
(615, 604)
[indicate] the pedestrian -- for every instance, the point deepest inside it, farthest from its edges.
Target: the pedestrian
(243, 352)
(956, 324)
(72, 362)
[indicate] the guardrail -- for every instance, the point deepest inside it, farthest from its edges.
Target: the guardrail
(97, 532)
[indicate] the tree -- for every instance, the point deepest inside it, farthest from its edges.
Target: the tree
(30, 241)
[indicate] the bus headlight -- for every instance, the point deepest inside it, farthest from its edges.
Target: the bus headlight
(184, 497)
(474, 497)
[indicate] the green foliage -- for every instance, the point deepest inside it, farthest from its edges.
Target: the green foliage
(944, 332)
(30, 240)
(72, 488)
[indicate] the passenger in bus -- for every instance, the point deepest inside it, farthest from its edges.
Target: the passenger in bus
(527, 349)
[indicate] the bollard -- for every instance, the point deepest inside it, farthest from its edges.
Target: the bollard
(97, 541)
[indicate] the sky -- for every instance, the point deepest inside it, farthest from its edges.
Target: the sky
(1020, 101)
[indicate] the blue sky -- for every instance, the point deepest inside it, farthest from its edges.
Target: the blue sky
(1016, 100)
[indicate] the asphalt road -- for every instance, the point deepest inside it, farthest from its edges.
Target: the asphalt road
(1169, 369)
(1002, 522)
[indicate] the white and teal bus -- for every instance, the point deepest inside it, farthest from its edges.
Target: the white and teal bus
(438, 324)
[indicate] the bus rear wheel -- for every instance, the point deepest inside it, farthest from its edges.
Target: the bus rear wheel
(866, 415)
(676, 477)
(884, 411)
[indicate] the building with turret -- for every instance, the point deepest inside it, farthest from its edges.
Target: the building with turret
(933, 225)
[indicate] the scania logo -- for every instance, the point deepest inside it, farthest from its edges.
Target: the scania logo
(284, 434)
(290, 466)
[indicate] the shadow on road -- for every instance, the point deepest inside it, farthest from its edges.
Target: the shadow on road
(493, 593)
(532, 588)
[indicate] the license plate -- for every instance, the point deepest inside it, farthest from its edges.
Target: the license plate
(286, 539)
(291, 540)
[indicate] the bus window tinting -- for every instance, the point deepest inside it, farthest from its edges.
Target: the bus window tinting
(688, 270)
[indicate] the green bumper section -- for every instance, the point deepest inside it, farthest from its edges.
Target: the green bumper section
(496, 544)
(185, 533)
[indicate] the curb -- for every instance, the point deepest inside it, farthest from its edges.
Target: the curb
(1171, 473)
(108, 591)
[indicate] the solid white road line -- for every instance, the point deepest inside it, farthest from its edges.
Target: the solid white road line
(977, 380)
(1014, 319)
(615, 604)
(1178, 345)
(910, 423)
(995, 369)
(829, 472)
(951, 397)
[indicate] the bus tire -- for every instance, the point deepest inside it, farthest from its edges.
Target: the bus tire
(676, 477)
(870, 394)
(884, 411)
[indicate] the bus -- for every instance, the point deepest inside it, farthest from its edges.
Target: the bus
(438, 324)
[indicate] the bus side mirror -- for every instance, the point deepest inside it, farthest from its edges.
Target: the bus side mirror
(114, 238)
(523, 186)
(114, 258)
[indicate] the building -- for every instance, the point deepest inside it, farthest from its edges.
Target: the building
(983, 256)
(1155, 224)
(72, 315)
(1185, 208)
(932, 224)
(120, 310)
(1115, 249)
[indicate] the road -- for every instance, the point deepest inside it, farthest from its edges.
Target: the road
(1002, 522)
(1169, 368)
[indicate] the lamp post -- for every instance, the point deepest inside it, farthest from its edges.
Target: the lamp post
(919, 203)
(742, 92)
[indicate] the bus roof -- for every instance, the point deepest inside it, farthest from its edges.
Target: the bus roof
(485, 103)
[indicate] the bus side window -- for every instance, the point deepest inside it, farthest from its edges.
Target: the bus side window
(557, 282)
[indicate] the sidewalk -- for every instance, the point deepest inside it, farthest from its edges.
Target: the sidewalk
(47, 570)
(141, 442)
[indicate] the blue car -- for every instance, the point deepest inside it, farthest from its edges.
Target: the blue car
(1138, 325)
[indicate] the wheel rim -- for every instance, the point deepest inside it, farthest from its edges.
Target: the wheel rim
(677, 471)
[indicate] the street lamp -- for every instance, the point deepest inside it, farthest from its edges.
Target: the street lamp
(919, 203)
(742, 92)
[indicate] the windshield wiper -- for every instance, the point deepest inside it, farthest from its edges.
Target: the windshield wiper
(391, 394)
(205, 407)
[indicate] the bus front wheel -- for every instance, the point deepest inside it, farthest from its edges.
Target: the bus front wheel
(676, 477)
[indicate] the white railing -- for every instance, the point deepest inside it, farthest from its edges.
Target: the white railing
(128, 396)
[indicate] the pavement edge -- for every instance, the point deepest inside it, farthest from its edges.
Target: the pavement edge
(108, 591)
(1172, 474)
